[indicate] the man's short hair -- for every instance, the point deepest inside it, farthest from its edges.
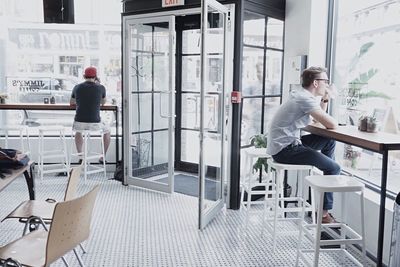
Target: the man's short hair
(310, 74)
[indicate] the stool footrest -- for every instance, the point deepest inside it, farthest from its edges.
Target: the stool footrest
(307, 207)
(345, 253)
(353, 236)
(51, 156)
(55, 170)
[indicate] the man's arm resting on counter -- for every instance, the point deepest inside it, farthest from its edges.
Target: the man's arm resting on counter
(325, 119)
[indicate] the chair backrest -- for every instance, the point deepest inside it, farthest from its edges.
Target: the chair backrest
(70, 192)
(70, 226)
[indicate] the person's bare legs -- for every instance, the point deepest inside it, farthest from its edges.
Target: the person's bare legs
(78, 142)
(106, 140)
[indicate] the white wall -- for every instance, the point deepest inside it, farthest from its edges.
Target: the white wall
(305, 34)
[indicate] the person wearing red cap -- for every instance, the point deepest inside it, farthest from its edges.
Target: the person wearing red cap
(88, 97)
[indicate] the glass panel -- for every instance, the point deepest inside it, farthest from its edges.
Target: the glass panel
(190, 146)
(161, 146)
(273, 75)
(271, 105)
(212, 158)
(140, 72)
(141, 112)
(161, 67)
(141, 154)
(253, 29)
(366, 78)
(275, 33)
(251, 119)
(190, 111)
(191, 41)
(161, 116)
(252, 74)
(215, 71)
(141, 57)
(212, 109)
(211, 112)
(191, 73)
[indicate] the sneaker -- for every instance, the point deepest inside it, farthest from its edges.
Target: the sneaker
(328, 218)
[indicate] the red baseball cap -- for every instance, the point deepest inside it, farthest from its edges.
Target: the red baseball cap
(90, 72)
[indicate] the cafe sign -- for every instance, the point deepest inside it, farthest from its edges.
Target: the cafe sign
(169, 3)
(23, 85)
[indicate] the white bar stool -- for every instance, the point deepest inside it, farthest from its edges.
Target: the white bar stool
(279, 211)
(59, 153)
(88, 154)
(251, 180)
(23, 136)
(321, 184)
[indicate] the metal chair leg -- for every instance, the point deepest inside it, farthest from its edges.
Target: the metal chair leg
(82, 248)
(79, 258)
(65, 261)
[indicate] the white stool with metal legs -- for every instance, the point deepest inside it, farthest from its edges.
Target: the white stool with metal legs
(23, 134)
(250, 180)
(89, 156)
(279, 210)
(321, 184)
(49, 150)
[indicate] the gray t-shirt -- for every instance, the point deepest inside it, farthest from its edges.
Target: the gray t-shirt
(289, 119)
(88, 96)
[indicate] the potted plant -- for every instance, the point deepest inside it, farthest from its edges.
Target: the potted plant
(259, 141)
(367, 124)
(372, 125)
(351, 156)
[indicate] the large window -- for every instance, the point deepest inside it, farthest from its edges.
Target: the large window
(39, 61)
(366, 72)
(262, 73)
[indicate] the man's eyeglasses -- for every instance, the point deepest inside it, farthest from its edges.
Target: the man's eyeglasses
(325, 80)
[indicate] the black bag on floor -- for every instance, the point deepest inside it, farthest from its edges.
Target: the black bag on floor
(119, 171)
(12, 159)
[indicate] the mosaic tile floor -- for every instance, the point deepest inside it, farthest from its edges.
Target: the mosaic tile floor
(137, 227)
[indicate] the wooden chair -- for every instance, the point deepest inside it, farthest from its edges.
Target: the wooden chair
(45, 208)
(69, 228)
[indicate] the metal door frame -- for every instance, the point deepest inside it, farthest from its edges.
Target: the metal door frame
(128, 179)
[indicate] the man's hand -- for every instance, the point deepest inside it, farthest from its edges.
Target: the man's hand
(72, 102)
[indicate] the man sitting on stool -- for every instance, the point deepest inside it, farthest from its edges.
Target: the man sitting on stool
(88, 97)
(284, 141)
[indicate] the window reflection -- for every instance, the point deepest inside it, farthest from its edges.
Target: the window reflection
(261, 74)
(55, 55)
(367, 79)
(253, 29)
(275, 33)
(252, 74)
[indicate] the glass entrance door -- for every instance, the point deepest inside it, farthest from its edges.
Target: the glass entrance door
(214, 17)
(149, 93)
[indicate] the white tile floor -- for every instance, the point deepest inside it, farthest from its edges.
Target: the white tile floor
(136, 227)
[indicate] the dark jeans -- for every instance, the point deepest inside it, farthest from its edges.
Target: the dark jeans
(307, 154)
